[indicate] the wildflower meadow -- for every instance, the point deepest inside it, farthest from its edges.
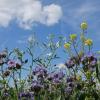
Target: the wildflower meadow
(37, 74)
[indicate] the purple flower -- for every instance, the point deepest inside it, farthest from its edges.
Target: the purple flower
(68, 90)
(56, 81)
(69, 79)
(89, 62)
(25, 95)
(56, 77)
(50, 76)
(84, 60)
(70, 82)
(36, 86)
(61, 75)
(90, 57)
(70, 64)
(11, 64)
(40, 71)
(3, 54)
(93, 63)
(6, 73)
(6, 94)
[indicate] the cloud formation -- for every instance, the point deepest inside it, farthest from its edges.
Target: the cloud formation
(27, 13)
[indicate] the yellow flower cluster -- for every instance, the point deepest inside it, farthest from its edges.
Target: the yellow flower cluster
(84, 25)
(67, 45)
(73, 37)
(88, 42)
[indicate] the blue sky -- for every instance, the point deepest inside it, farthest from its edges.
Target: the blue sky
(20, 19)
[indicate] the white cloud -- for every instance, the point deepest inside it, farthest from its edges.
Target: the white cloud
(28, 12)
(52, 13)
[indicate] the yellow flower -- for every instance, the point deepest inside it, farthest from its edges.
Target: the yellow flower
(78, 77)
(73, 36)
(88, 42)
(67, 45)
(84, 25)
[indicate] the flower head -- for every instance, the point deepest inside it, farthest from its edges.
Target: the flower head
(6, 73)
(68, 90)
(25, 95)
(36, 86)
(84, 25)
(67, 45)
(72, 62)
(40, 71)
(3, 54)
(73, 37)
(69, 79)
(89, 62)
(88, 42)
(11, 64)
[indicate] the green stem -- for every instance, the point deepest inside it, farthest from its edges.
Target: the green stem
(16, 87)
(50, 58)
(83, 39)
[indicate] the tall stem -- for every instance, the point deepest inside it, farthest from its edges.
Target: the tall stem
(83, 39)
(16, 87)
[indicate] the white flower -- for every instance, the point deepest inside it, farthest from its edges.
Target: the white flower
(49, 54)
(58, 44)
